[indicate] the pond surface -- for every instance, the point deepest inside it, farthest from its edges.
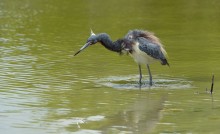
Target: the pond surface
(45, 89)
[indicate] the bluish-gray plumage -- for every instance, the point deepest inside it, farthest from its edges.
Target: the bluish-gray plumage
(106, 41)
(151, 49)
(143, 46)
(147, 43)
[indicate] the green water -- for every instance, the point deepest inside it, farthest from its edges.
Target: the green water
(44, 89)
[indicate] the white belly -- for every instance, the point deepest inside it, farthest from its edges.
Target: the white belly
(141, 57)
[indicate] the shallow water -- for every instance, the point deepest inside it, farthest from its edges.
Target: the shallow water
(130, 82)
(45, 89)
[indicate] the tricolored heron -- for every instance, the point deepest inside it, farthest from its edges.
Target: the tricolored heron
(143, 46)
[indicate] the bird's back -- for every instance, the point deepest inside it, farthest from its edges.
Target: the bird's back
(148, 43)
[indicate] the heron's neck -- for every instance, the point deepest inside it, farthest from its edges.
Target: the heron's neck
(105, 40)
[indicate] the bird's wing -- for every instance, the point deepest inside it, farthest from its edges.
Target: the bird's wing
(152, 49)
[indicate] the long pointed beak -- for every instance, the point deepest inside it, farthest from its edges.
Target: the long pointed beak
(82, 48)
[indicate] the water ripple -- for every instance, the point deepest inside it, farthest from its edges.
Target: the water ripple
(131, 82)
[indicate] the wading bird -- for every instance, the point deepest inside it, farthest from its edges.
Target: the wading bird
(143, 46)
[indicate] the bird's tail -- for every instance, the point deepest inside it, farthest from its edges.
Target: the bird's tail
(165, 62)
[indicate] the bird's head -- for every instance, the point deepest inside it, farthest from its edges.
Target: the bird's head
(91, 40)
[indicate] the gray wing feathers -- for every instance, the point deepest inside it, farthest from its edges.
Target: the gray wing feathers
(154, 50)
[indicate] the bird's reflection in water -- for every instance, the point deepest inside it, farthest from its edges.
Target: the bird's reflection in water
(141, 117)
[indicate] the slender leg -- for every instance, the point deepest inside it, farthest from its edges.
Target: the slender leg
(140, 77)
(150, 76)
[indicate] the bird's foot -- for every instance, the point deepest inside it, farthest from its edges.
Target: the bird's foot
(140, 84)
(151, 83)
